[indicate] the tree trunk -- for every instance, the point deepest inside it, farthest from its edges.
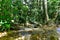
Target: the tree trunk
(45, 9)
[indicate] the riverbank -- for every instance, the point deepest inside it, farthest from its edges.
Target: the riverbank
(25, 35)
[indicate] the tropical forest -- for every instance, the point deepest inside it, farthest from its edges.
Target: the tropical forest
(29, 19)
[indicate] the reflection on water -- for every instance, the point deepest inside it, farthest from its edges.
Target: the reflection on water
(58, 30)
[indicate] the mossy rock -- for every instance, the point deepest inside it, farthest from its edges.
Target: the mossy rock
(35, 37)
(53, 38)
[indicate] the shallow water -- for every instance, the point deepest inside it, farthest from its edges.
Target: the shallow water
(12, 35)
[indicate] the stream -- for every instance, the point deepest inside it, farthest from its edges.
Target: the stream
(26, 33)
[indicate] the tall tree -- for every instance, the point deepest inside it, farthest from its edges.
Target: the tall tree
(45, 9)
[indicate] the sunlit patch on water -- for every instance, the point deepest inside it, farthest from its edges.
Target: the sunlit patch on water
(58, 30)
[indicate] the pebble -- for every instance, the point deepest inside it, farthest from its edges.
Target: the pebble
(20, 38)
(3, 34)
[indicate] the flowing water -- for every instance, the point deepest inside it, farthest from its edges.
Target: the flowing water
(26, 35)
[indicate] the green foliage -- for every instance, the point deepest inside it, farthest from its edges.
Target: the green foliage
(5, 17)
(21, 12)
(4, 25)
(53, 38)
(52, 7)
